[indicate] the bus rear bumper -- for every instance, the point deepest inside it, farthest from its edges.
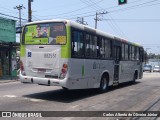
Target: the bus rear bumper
(43, 81)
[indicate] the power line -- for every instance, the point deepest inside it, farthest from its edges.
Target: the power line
(83, 16)
(74, 10)
(11, 11)
(134, 6)
(95, 3)
(11, 16)
(89, 15)
(134, 20)
(35, 17)
(113, 26)
(118, 10)
(62, 6)
(151, 44)
(88, 4)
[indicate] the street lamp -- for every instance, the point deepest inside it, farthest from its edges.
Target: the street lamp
(147, 55)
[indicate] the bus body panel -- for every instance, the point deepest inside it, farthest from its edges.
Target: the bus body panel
(93, 71)
(126, 71)
(42, 60)
(43, 64)
(44, 81)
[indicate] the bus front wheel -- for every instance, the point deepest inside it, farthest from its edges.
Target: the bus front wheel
(103, 84)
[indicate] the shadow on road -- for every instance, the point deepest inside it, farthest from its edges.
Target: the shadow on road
(68, 96)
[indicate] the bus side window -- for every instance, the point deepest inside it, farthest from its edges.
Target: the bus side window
(141, 54)
(94, 46)
(133, 56)
(123, 51)
(77, 44)
(98, 51)
(87, 45)
(130, 52)
(126, 52)
(99, 48)
(103, 48)
(107, 48)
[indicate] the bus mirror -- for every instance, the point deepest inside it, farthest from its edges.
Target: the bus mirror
(18, 29)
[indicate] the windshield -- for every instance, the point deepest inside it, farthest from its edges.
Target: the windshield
(149, 66)
(156, 67)
(46, 33)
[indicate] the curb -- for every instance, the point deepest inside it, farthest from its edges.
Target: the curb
(7, 81)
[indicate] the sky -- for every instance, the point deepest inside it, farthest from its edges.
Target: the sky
(137, 21)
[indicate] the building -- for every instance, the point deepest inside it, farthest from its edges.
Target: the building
(8, 46)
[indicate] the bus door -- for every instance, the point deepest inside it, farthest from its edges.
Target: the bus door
(117, 56)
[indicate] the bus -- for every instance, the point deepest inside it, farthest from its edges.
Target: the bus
(74, 56)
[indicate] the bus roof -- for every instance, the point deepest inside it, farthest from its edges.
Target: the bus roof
(87, 28)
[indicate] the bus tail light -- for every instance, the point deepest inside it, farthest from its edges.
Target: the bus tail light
(22, 68)
(64, 71)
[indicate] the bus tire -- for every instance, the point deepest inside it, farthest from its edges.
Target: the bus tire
(104, 84)
(65, 89)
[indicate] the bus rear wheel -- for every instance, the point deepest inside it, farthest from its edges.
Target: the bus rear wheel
(65, 89)
(103, 84)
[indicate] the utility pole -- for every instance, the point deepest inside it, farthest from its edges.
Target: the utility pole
(20, 7)
(29, 11)
(147, 55)
(97, 18)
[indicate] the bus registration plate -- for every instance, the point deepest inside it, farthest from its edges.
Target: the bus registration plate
(42, 70)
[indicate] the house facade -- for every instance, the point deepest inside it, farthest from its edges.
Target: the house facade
(8, 46)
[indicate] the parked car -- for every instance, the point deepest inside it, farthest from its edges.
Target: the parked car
(147, 68)
(156, 68)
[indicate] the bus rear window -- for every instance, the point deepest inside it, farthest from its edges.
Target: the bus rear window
(46, 33)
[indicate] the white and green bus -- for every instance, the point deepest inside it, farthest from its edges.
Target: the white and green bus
(74, 56)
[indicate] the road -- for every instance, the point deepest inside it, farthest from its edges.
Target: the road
(142, 96)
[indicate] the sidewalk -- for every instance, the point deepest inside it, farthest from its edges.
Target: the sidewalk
(7, 81)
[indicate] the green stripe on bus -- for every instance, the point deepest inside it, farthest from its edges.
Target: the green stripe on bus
(83, 70)
(22, 51)
(66, 49)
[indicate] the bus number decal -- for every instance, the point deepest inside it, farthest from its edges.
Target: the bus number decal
(49, 55)
(98, 66)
